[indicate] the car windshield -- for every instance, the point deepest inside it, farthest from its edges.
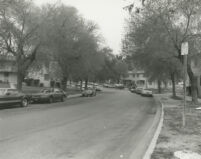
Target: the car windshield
(2, 92)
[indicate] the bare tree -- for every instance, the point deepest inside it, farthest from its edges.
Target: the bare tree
(19, 34)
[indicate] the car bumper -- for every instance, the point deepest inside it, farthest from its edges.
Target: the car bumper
(147, 94)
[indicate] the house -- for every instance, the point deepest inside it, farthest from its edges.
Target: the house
(8, 69)
(46, 74)
(139, 78)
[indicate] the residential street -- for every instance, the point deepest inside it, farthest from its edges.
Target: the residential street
(111, 125)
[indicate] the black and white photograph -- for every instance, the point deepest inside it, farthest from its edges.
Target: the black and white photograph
(100, 79)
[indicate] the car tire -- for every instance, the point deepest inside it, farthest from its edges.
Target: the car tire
(24, 102)
(50, 100)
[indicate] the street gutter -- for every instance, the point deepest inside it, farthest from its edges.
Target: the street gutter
(159, 125)
(147, 146)
(74, 96)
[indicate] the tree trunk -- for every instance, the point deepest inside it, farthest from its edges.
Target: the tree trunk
(173, 85)
(166, 84)
(159, 86)
(19, 81)
(194, 92)
(193, 82)
(199, 87)
(64, 83)
(81, 83)
(86, 83)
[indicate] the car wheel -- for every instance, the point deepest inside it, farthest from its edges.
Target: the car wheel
(51, 100)
(24, 102)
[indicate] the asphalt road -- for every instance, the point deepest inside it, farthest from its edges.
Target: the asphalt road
(109, 126)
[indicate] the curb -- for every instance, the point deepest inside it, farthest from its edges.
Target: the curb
(153, 142)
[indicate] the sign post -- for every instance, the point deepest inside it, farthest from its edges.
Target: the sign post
(184, 53)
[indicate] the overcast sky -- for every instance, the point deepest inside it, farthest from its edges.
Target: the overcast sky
(108, 14)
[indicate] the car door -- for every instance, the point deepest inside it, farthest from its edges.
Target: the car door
(3, 98)
(10, 97)
(14, 96)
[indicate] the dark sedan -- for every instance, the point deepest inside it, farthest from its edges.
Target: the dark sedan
(11, 97)
(49, 95)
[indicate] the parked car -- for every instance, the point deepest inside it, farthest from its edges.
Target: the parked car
(132, 90)
(98, 88)
(138, 90)
(10, 96)
(119, 86)
(146, 92)
(109, 85)
(89, 92)
(49, 95)
(106, 85)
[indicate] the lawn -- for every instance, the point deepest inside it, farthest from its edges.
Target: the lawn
(174, 137)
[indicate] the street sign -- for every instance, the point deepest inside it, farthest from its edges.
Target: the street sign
(184, 52)
(184, 48)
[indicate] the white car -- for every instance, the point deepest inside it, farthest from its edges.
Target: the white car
(146, 92)
(138, 90)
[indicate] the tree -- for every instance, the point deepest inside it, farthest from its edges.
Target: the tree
(107, 71)
(181, 19)
(19, 34)
(90, 58)
(114, 68)
(152, 49)
(72, 42)
(120, 68)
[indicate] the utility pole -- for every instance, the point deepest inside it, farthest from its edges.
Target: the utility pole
(184, 53)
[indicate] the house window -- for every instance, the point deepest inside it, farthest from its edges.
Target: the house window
(6, 74)
(46, 77)
(134, 75)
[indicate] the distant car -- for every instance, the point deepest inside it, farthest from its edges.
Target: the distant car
(98, 89)
(49, 95)
(132, 90)
(9, 97)
(138, 90)
(89, 92)
(119, 86)
(109, 85)
(106, 85)
(146, 92)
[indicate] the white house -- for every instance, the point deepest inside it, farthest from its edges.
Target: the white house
(8, 69)
(46, 74)
(138, 77)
